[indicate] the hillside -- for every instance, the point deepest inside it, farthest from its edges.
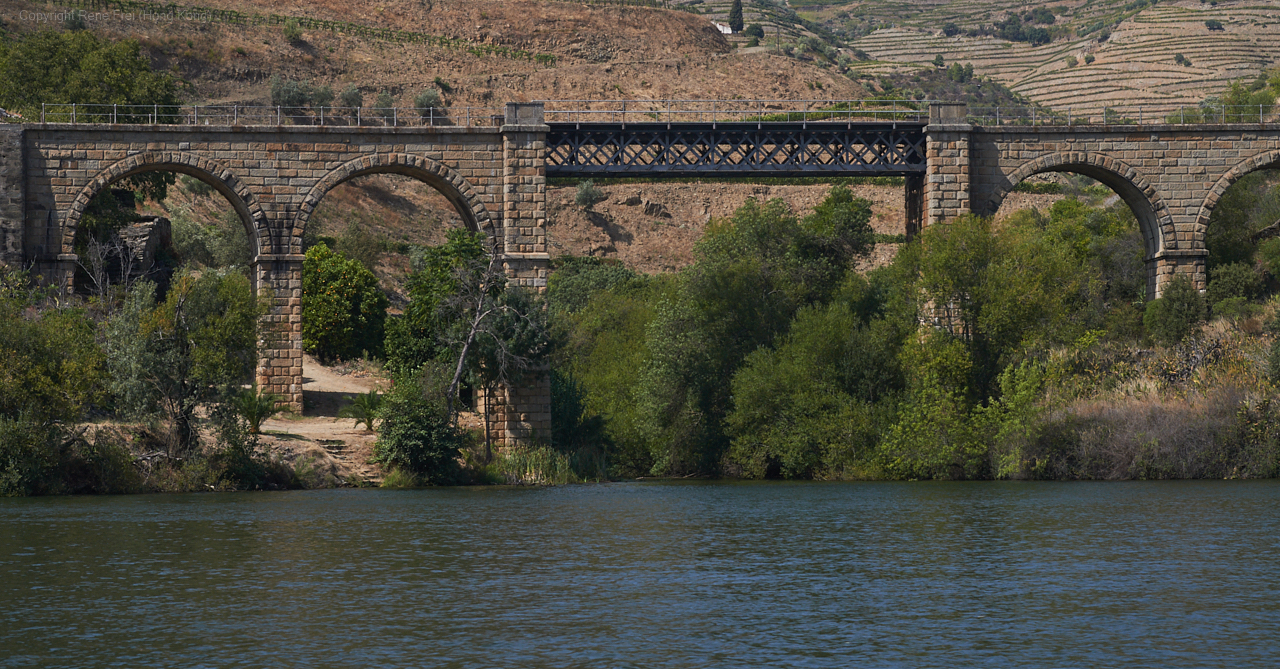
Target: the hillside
(1132, 44)
(493, 52)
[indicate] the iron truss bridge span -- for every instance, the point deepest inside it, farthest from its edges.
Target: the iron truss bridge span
(759, 148)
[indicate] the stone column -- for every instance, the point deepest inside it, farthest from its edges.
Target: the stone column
(913, 193)
(280, 364)
(13, 197)
(1169, 263)
(946, 190)
(519, 416)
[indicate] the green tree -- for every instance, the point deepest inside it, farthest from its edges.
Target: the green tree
(735, 16)
(53, 367)
(754, 30)
(1178, 312)
(1236, 280)
(418, 435)
(428, 103)
(815, 405)
(415, 338)
(78, 67)
(343, 311)
(351, 98)
(196, 348)
(293, 31)
(752, 273)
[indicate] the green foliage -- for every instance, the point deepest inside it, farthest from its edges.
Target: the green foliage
(752, 273)
(220, 244)
(293, 31)
(1213, 24)
(78, 67)
(293, 95)
(735, 16)
(815, 405)
(45, 458)
(351, 97)
(256, 407)
(961, 74)
(601, 345)
(428, 103)
(53, 367)
(364, 408)
(939, 61)
(414, 338)
(1236, 280)
(384, 105)
(588, 195)
(574, 431)
(417, 436)
(196, 348)
(343, 311)
(1178, 312)
(1269, 256)
(577, 279)
(754, 30)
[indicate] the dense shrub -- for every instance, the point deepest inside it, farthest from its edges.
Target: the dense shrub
(1178, 312)
(417, 436)
(1235, 280)
(343, 311)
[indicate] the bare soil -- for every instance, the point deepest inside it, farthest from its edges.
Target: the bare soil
(338, 451)
(652, 228)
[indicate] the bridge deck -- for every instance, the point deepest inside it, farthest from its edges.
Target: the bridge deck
(763, 148)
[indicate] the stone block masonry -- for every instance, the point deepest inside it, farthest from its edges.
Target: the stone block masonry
(12, 195)
(275, 177)
(1171, 176)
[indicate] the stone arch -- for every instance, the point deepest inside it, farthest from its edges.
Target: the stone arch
(444, 179)
(1261, 161)
(1154, 218)
(208, 171)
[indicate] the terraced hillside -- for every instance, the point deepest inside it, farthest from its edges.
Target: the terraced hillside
(1125, 52)
(1135, 66)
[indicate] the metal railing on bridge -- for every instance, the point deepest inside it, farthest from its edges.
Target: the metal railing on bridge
(733, 111)
(1123, 115)
(257, 115)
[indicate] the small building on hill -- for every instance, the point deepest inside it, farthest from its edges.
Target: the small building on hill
(722, 27)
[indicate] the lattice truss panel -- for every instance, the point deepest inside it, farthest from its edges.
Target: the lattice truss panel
(762, 148)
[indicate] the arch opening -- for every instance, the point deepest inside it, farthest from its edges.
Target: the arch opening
(375, 210)
(1153, 218)
(145, 218)
(1241, 212)
(451, 186)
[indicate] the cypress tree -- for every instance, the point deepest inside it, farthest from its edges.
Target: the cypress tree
(735, 16)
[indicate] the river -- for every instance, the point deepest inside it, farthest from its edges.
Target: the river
(694, 574)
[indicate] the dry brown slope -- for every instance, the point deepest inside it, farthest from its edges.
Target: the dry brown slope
(602, 52)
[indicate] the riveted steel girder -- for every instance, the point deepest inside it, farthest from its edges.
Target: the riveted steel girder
(735, 149)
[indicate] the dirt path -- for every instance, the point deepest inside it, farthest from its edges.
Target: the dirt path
(330, 450)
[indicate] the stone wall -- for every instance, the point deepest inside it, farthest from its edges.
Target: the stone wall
(274, 177)
(12, 195)
(1171, 176)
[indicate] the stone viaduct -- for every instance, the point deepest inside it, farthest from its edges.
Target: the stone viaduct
(274, 176)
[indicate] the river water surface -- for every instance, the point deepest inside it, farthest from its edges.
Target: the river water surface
(650, 575)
